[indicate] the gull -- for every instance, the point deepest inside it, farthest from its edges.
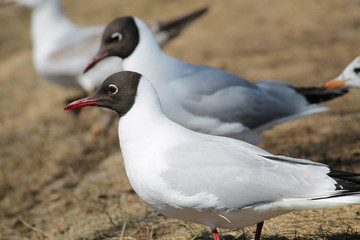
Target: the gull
(61, 49)
(203, 98)
(212, 180)
(349, 78)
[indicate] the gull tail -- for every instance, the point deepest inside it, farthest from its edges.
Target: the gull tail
(167, 30)
(347, 187)
(316, 95)
(347, 192)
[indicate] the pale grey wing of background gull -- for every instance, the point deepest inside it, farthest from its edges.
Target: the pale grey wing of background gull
(71, 56)
(248, 174)
(68, 55)
(289, 103)
(232, 104)
(79, 47)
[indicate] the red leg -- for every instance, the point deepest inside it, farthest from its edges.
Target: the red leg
(258, 230)
(215, 234)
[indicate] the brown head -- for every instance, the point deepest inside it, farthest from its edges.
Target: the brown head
(118, 92)
(120, 39)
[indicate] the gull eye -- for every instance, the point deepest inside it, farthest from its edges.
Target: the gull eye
(357, 70)
(113, 89)
(116, 36)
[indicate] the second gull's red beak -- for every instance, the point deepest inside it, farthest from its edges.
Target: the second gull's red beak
(94, 61)
(81, 103)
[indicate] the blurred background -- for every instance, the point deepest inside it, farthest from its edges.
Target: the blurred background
(59, 180)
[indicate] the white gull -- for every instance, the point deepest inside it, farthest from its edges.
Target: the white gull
(207, 99)
(217, 181)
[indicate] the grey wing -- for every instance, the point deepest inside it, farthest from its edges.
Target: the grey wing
(240, 175)
(219, 94)
(74, 55)
(230, 98)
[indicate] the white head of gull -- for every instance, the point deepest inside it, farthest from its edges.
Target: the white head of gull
(349, 78)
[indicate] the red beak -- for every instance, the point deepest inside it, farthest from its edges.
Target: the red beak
(94, 61)
(81, 103)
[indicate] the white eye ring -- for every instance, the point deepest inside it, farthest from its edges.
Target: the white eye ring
(113, 89)
(117, 35)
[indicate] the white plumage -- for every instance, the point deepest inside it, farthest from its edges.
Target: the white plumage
(349, 78)
(207, 99)
(207, 179)
(61, 49)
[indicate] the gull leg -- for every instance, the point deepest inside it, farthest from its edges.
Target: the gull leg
(258, 230)
(215, 234)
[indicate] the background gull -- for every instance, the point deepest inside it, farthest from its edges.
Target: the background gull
(61, 49)
(349, 78)
(204, 98)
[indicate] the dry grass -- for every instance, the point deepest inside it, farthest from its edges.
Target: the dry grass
(59, 181)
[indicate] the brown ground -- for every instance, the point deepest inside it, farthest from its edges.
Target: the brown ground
(60, 181)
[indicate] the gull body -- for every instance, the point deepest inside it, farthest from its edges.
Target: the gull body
(208, 99)
(212, 180)
(61, 49)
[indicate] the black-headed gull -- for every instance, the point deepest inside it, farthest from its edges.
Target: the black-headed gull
(217, 181)
(349, 78)
(61, 49)
(203, 98)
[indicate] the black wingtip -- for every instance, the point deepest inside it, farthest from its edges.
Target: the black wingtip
(347, 183)
(176, 25)
(319, 94)
(346, 176)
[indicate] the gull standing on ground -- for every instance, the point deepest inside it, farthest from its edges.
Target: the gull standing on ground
(203, 98)
(217, 181)
(61, 49)
(349, 78)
